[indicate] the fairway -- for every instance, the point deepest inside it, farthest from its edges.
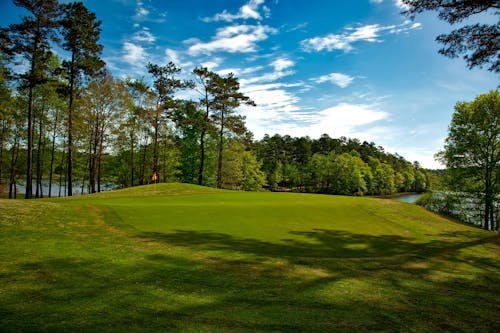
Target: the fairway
(184, 258)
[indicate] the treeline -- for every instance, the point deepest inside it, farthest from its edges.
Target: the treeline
(336, 166)
(70, 122)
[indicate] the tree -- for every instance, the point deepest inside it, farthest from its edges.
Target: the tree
(136, 128)
(105, 101)
(31, 39)
(472, 150)
(81, 33)
(478, 43)
(206, 85)
(166, 84)
(227, 98)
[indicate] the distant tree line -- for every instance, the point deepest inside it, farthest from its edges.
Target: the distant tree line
(70, 122)
(336, 166)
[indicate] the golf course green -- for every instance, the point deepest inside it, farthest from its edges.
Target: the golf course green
(185, 258)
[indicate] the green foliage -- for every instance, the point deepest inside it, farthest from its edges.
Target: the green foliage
(478, 43)
(472, 149)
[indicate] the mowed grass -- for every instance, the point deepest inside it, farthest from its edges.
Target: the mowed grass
(183, 258)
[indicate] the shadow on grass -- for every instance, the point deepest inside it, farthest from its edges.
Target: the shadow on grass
(331, 281)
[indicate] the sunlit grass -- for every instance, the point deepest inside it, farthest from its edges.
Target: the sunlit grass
(174, 257)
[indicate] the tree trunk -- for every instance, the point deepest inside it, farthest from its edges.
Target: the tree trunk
(132, 170)
(39, 190)
(156, 148)
(99, 159)
(62, 170)
(70, 126)
(13, 162)
(29, 157)
(52, 154)
(202, 141)
(221, 148)
(4, 128)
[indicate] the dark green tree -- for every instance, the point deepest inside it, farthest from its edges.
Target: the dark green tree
(166, 84)
(205, 80)
(227, 98)
(31, 39)
(478, 43)
(472, 150)
(81, 31)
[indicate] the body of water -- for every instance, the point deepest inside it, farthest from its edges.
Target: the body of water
(77, 188)
(409, 198)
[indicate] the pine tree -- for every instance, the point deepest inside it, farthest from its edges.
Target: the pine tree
(31, 39)
(81, 31)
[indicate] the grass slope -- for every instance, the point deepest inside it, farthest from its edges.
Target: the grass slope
(183, 258)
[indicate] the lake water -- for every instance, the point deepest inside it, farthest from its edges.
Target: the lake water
(77, 188)
(409, 198)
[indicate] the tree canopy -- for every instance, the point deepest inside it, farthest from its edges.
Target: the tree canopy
(479, 44)
(472, 150)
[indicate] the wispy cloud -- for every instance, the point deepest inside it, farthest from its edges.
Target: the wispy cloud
(134, 54)
(401, 5)
(368, 33)
(144, 36)
(280, 69)
(147, 12)
(232, 39)
(248, 11)
(339, 79)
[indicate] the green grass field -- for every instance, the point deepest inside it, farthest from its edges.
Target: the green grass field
(182, 258)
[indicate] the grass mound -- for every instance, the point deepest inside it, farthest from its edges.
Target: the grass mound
(176, 257)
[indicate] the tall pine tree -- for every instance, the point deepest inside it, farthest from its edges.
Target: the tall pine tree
(31, 39)
(81, 31)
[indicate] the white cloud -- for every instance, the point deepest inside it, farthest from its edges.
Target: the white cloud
(141, 12)
(401, 5)
(232, 39)
(144, 36)
(282, 63)
(276, 115)
(344, 41)
(376, 1)
(173, 56)
(339, 79)
(134, 54)
(248, 11)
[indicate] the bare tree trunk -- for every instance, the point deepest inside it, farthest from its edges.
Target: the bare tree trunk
(202, 142)
(39, 190)
(132, 169)
(99, 159)
(13, 162)
(70, 125)
(221, 147)
(2, 135)
(156, 149)
(52, 154)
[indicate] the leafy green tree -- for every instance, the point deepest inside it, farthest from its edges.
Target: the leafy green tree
(253, 179)
(166, 84)
(136, 128)
(81, 31)
(478, 43)
(227, 99)
(241, 170)
(105, 101)
(188, 119)
(472, 150)
(31, 39)
(206, 84)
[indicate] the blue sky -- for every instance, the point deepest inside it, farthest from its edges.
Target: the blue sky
(346, 68)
